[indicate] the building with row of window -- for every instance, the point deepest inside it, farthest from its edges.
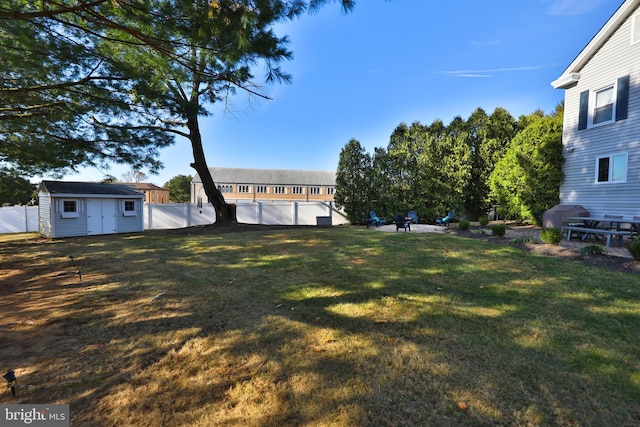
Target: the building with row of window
(269, 185)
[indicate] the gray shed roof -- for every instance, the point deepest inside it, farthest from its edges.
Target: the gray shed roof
(87, 188)
(270, 177)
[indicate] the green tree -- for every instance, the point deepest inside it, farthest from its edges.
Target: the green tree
(179, 188)
(445, 168)
(62, 103)
(120, 78)
(488, 138)
(15, 190)
(526, 182)
(425, 168)
(403, 151)
(354, 181)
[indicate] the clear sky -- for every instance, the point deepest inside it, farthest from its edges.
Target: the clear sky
(360, 75)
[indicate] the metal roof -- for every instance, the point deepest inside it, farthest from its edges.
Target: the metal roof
(87, 188)
(270, 177)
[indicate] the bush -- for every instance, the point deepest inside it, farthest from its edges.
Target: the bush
(593, 249)
(464, 225)
(498, 229)
(634, 248)
(524, 239)
(483, 220)
(479, 231)
(551, 235)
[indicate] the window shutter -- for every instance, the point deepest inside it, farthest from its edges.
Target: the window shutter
(622, 100)
(584, 110)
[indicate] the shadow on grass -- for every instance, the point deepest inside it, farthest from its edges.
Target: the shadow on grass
(323, 327)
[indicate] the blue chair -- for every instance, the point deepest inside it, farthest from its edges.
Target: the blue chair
(379, 221)
(414, 216)
(446, 220)
(369, 221)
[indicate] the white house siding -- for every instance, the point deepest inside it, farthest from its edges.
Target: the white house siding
(44, 214)
(616, 58)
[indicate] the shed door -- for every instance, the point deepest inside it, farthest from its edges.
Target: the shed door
(101, 216)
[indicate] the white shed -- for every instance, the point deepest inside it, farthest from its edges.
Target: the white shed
(69, 209)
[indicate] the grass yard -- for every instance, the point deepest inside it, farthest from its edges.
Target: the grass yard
(316, 327)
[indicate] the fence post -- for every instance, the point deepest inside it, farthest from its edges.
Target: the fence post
(331, 212)
(149, 216)
(295, 213)
(259, 212)
(188, 207)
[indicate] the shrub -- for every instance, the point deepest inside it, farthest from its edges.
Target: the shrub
(498, 229)
(524, 239)
(464, 225)
(634, 248)
(483, 220)
(479, 231)
(551, 235)
(593, 250)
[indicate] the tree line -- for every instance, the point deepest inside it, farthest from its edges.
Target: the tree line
(469, 166)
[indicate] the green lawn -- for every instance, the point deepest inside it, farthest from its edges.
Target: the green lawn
(318, 327)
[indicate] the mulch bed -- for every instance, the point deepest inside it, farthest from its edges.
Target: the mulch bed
(625, 265)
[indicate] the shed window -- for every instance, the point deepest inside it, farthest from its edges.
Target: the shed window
(129, 208)
(612, 168)
(69, 209)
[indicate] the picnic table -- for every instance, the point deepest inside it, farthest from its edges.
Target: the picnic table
(590, 225)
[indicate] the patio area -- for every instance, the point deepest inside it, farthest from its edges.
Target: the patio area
(513, 232)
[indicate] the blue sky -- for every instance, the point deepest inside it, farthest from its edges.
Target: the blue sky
(360, 75)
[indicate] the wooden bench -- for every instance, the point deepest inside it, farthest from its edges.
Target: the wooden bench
(609, 233)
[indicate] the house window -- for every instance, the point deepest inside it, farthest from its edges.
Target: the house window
(129, 208)
(314, 190)
(262, 189)
(225, 188)
(69, 209)
(611, 168)
(243, 188)
(604, 105)
(278, 190)
(603, 108)
(296, 190)
(331, 190)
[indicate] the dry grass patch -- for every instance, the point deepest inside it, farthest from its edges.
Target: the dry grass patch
(317, 327)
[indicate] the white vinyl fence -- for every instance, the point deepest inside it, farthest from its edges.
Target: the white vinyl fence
(20, 219)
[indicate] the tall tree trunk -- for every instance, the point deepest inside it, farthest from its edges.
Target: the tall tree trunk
(225, 214)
